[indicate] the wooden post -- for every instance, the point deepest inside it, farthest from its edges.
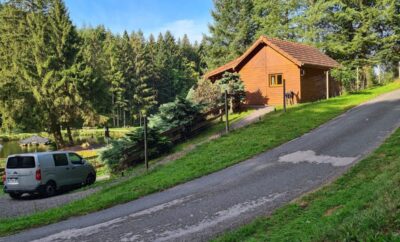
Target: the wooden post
(327, 84)
(358, 80)
(284, 94)
(145, 143)
(379, 75)
(226, 112)
(399, 69)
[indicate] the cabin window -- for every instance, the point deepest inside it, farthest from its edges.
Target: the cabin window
(275, 80)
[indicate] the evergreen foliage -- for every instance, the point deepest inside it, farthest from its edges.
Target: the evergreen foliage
(132, 146)
(180, 113)
(54, 76)
(234, 86)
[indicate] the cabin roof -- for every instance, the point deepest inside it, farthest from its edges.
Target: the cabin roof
(300, 54)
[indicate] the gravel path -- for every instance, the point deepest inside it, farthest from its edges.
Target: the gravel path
(31, 204)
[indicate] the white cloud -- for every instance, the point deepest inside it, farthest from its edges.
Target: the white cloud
(194, 29)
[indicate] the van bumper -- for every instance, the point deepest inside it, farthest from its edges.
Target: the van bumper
(38, 188)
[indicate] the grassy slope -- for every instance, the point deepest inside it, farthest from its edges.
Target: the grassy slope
(362, 205)
(239, 145)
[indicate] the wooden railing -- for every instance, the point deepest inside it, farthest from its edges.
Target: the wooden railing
(180, 133)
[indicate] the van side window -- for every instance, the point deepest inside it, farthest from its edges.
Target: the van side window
(60, 159)
(75, 159)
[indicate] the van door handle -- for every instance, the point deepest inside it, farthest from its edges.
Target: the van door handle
(67, 168)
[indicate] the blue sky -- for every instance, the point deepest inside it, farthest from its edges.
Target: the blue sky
(151, 16)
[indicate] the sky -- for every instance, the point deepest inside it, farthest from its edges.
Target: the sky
(151, 16)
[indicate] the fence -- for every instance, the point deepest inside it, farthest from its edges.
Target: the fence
(180, 133)
(203, 121)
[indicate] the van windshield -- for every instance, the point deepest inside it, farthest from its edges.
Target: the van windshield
(20, 162)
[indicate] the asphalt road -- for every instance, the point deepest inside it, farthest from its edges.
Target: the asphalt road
(205, 207)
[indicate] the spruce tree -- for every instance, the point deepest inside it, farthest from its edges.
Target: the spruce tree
(232, 31)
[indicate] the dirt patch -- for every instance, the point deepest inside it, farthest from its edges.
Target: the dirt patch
(330, 211)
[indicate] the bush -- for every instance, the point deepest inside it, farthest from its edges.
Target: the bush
(181, 112)
(232, 83)
(132, 146)
(207, 94)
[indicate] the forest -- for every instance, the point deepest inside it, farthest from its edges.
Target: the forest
(56, 76)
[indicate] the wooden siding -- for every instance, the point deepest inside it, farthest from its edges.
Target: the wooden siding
(313, 85)
(255, 72)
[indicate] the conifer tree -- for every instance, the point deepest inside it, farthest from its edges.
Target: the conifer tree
(232, 31)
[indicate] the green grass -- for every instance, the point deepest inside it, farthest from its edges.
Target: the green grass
(209, 157)
(214, 129)
(362, 205)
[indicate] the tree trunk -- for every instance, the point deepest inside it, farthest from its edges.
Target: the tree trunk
(124, 118)
(56, 131)
(113, 109)
(231, 104)
(70, 138)
(118, 117)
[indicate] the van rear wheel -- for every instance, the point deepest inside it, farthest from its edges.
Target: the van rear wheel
(15, 195)
(49, 189)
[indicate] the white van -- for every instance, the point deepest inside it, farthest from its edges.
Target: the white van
(45, 172)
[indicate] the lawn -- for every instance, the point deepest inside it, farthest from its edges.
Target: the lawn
(362, 205)
(275, 129)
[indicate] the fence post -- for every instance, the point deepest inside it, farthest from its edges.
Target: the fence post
(284, 95)
(327, 84)
(379, 76)
(226, 112)
(145, 143)
(399, 69)
(358, 80)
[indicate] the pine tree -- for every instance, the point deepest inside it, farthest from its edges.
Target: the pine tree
(91, 70)
(144, 98)
(278, 18)
(232, 31)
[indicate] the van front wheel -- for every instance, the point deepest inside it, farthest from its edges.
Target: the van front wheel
(50, 189)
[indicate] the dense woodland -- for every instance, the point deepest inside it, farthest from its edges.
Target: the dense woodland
(55, 76)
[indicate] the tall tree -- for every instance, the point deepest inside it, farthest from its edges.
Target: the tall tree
(232, 30)
(278, 18)
(144, 97)
(47, 49)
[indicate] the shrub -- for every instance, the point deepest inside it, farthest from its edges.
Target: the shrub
(129, 150)
(181, 112)
(232, 83)
(207, 94)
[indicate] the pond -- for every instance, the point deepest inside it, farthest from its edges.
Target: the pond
(12, 147)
